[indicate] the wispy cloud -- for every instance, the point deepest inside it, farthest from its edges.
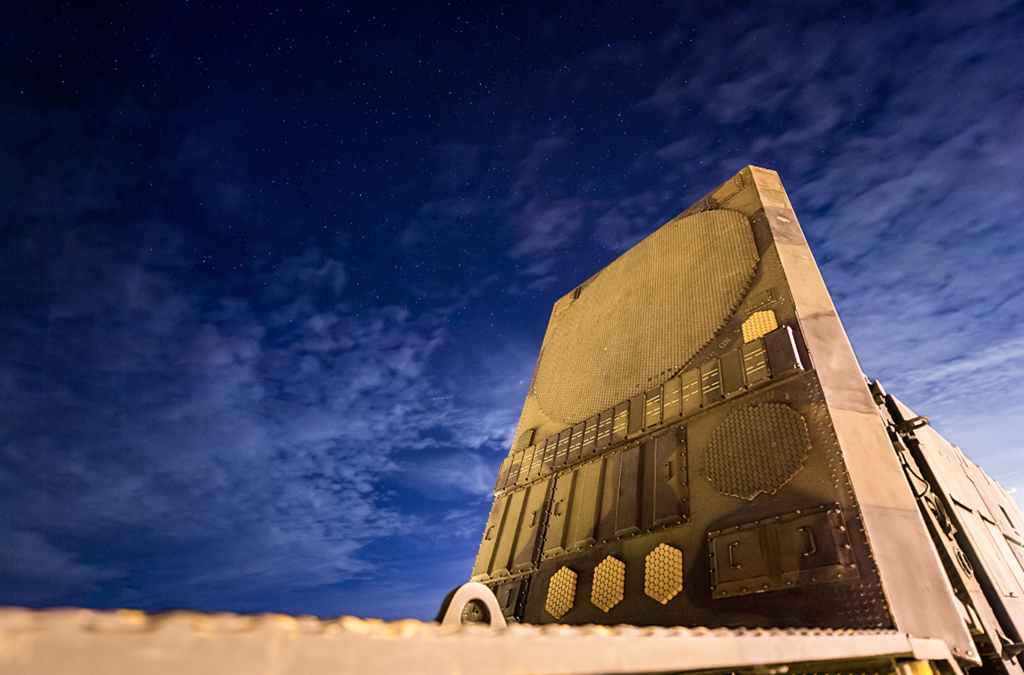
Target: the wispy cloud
(249, 344)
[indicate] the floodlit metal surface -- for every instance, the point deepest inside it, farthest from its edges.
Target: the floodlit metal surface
(712, 250)
(977, 529)
(85, 642)
(729, 421)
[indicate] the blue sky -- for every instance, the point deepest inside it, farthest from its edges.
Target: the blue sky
(274, 279)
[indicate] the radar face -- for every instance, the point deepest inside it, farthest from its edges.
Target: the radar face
(698, 447)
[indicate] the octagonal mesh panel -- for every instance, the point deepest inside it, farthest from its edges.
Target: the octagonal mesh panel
(649, 311)
(609, 583)
(663, 573)
(561, 592)
(757, 449)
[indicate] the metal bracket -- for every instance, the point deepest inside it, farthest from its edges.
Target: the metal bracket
(911, 425)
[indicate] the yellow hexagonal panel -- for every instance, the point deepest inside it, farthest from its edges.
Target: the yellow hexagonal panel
(561, 592)
(663, 573)
(609, 583)
(759, 324)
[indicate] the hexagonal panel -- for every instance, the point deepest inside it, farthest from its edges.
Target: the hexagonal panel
(757, 449)
(609, 583)
(759, 324)
(561, 592)
(663, 573)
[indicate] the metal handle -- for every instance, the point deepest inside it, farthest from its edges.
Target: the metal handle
(810, 540)
(732, 562)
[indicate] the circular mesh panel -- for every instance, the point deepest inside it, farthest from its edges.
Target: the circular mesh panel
(757, 449)
(646, 313)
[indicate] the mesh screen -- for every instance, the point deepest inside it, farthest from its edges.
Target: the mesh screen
(757, 449)
(645, 315)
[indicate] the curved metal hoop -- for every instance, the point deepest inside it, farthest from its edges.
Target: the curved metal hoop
(451, 609)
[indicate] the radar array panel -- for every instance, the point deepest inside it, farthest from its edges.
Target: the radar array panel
(699, 447)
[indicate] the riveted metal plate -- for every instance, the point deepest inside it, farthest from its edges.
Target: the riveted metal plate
(604, 428)
(755, 364)
(672, 399)
(559, 515)
(550, 449)
(589, 437)
(783, 357)
(691, 391)
(525, 465)
(536, 455)
(636, 415)
(653, 407)
(530, 527)
(584, 509)
(731, 364)
(757, 449)
(804, 547)
(562, 453)
(710, 382)
(499, 484)
(620, 425)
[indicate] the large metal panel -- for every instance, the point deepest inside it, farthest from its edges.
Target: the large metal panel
(637, 405)
(620, 425)
(739, 562)
(550, 448)
(510, 595)
(691, 391)
(576, 442)
(584, 510)
(606, 420)
(653, 409)
(485, 557)
(504, 549)
(589, 437)
(780, 346)
(525, 465)
(731, 364)
(562, 454)
(627, 512)
(531, 524)
(665, 493)
(516, 467)
(608, 512)
(559, 515)
(806, 547)
(672, 397)
(710, 382)
(755, 363)
(536, 455)
(499, 484)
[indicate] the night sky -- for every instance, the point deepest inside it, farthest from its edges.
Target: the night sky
(273, 278)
